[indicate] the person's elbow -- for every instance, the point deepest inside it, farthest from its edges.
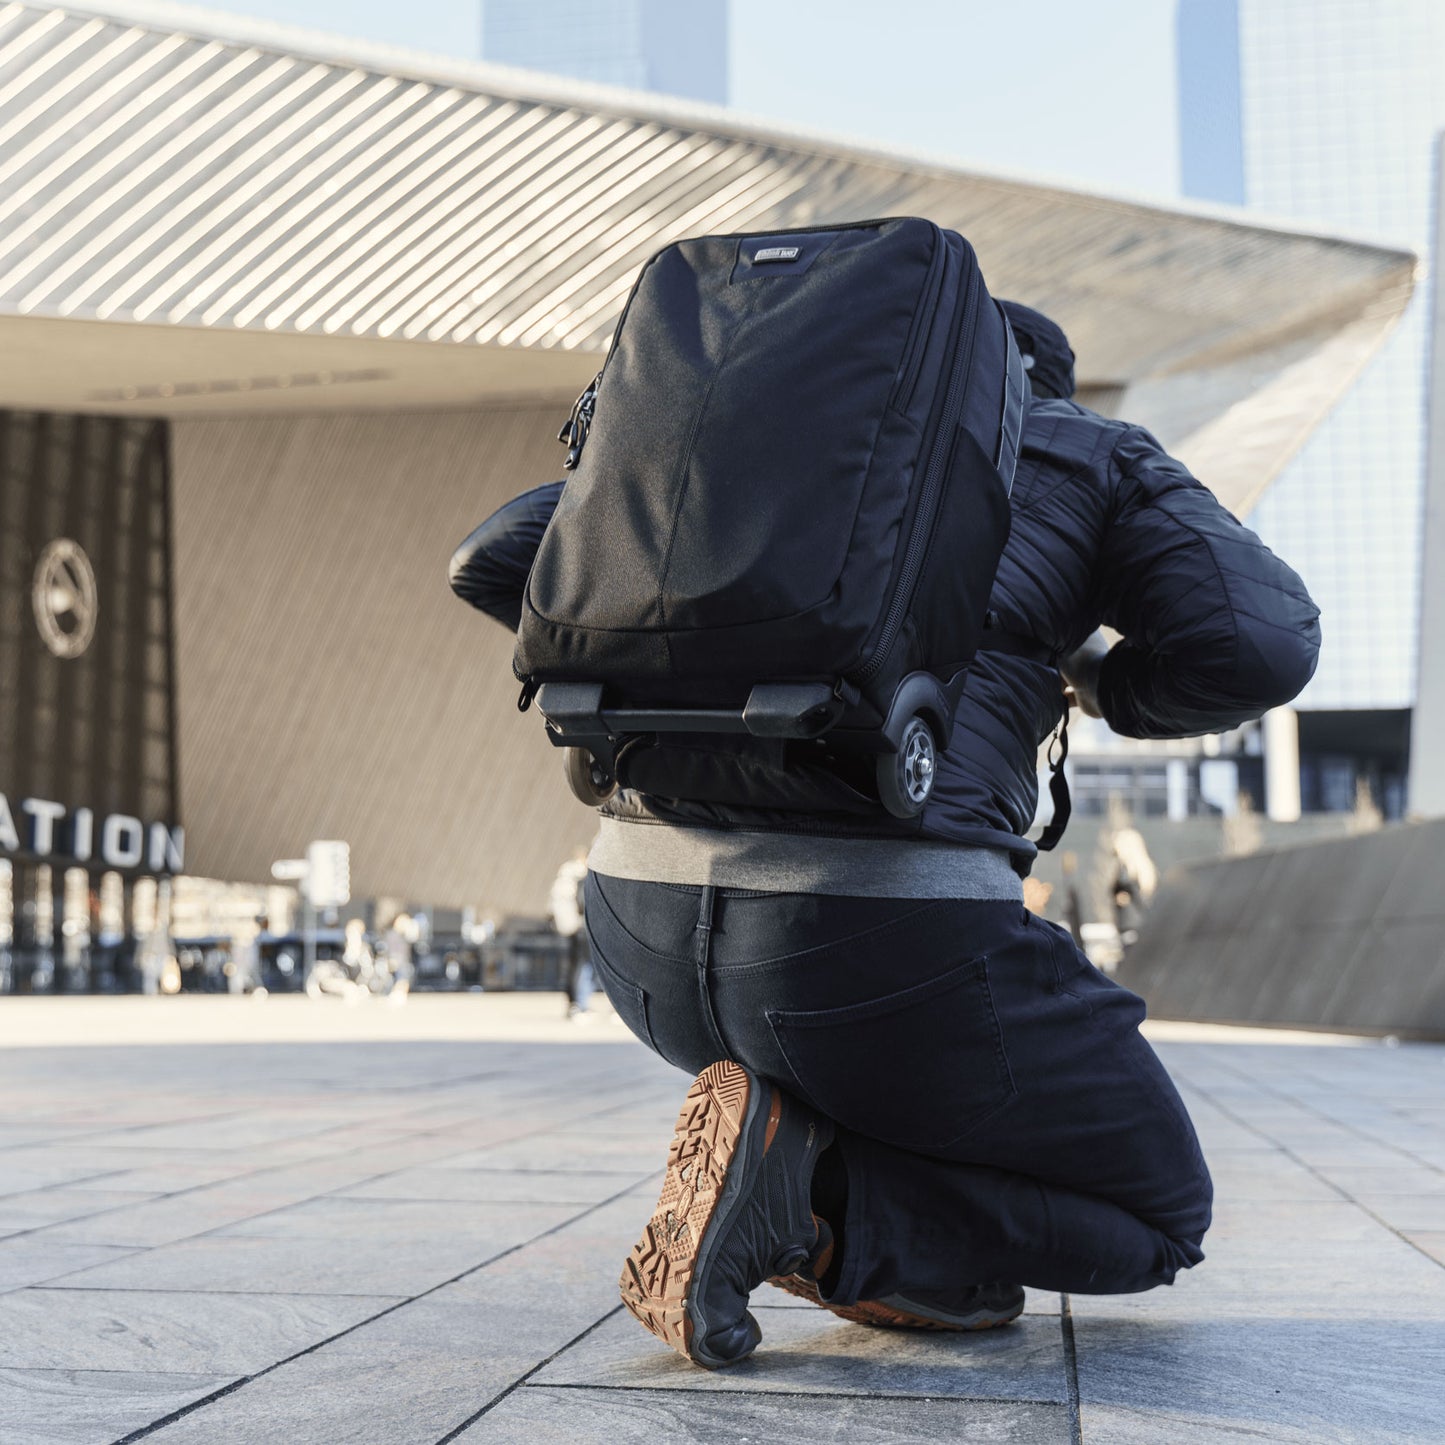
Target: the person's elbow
(468, 573)
(463, 571)
(1276, 661)
(475, 576)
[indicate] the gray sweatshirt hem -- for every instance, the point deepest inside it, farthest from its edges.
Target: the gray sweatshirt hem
(773, 862)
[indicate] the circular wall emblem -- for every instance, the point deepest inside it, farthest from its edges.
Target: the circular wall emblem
(64, 598)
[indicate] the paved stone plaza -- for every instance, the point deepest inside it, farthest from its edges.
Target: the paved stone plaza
(241, 1221)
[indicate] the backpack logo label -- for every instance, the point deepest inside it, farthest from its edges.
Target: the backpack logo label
(776, 253)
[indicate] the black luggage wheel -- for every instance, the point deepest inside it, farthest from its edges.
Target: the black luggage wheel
(590, 782)
(905, 778)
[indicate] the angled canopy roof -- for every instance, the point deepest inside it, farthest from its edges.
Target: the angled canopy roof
(207, 214)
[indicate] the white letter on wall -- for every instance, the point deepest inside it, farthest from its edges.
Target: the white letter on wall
(168, 848)
(46, 816)
(84, 839)
(122, 841)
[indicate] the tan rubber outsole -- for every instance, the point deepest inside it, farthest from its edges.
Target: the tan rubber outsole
(873, 1312)
(658, 1272)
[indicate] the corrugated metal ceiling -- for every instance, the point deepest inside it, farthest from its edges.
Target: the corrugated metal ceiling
(165, 177)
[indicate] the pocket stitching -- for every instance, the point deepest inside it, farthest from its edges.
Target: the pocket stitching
(999, 1049)
(822, 950)
(639, 994)
(625, 931)
(887, 1004)
(1056, 943)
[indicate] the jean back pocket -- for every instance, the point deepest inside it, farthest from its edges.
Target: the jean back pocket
(919, 1068)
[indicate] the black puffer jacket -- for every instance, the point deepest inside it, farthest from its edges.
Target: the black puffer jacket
(1107, 529)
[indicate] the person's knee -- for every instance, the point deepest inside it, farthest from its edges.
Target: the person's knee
(1182, 1231)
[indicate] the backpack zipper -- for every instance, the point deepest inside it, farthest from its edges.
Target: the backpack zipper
(922, 329)
(922, 531)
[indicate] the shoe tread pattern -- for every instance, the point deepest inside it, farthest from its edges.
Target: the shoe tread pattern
(658, 1272)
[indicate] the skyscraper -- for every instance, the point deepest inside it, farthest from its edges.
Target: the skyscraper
(644, 44)
(1325, 112)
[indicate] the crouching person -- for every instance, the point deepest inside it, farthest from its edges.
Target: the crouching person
(913, 1097)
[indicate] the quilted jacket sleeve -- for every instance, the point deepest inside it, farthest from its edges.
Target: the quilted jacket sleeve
(1216, 629)
(490, 568)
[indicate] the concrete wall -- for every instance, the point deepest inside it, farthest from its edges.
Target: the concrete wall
(1347, 934)
(1427, 759)
(329, 684)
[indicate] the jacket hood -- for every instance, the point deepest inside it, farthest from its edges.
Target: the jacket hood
(1048, 357)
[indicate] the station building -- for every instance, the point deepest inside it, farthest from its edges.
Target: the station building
(282, 317)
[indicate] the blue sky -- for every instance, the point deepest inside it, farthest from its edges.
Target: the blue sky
(1082, 92)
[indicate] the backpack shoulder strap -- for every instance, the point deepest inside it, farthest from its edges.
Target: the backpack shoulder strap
(997, 638)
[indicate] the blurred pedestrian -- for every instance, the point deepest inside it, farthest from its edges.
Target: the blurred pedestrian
(356, 951)
(1073, 903)
(1135, 879)
(244, 975)
(396, 943)
(569, 913)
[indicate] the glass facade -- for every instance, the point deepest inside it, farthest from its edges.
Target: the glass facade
(643, 44)
(1338, 105)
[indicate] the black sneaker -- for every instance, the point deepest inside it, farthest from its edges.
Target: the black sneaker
(980, 1307)
(734, 1210)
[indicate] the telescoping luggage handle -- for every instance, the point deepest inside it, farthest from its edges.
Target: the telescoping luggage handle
(596, 734)
(577, 715)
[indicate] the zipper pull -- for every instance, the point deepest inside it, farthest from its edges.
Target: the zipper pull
(574, 430)
(529, 691)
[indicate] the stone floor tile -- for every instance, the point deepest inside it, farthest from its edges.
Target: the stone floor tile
(1399, 1177)
(197, 1211)
(532, 1186)
(32, 1171)
(170, 1178)
(819, 1354)
(1409, 1213)
(17, 1133)
(568, 1277)
(36, 1259)
(1269, 1261)
(404, 1265)
(224, 1131)
(587, 1153)
(1263, 1176)
(44, 1207)
(1123, 1425)
(92, 1407)
(168, 1218)
(158, 1330)
(550, 1416)
(413, 1374)
(1352, 1153)
(400, 1397)
(1431, 1241)
(1286, 1378)
(372, 1222)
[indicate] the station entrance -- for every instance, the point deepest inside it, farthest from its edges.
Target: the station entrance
(90, 825)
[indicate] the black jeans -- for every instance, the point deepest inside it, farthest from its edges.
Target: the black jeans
(1001, 1117)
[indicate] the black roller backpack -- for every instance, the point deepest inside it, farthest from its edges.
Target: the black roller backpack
(770, 568)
